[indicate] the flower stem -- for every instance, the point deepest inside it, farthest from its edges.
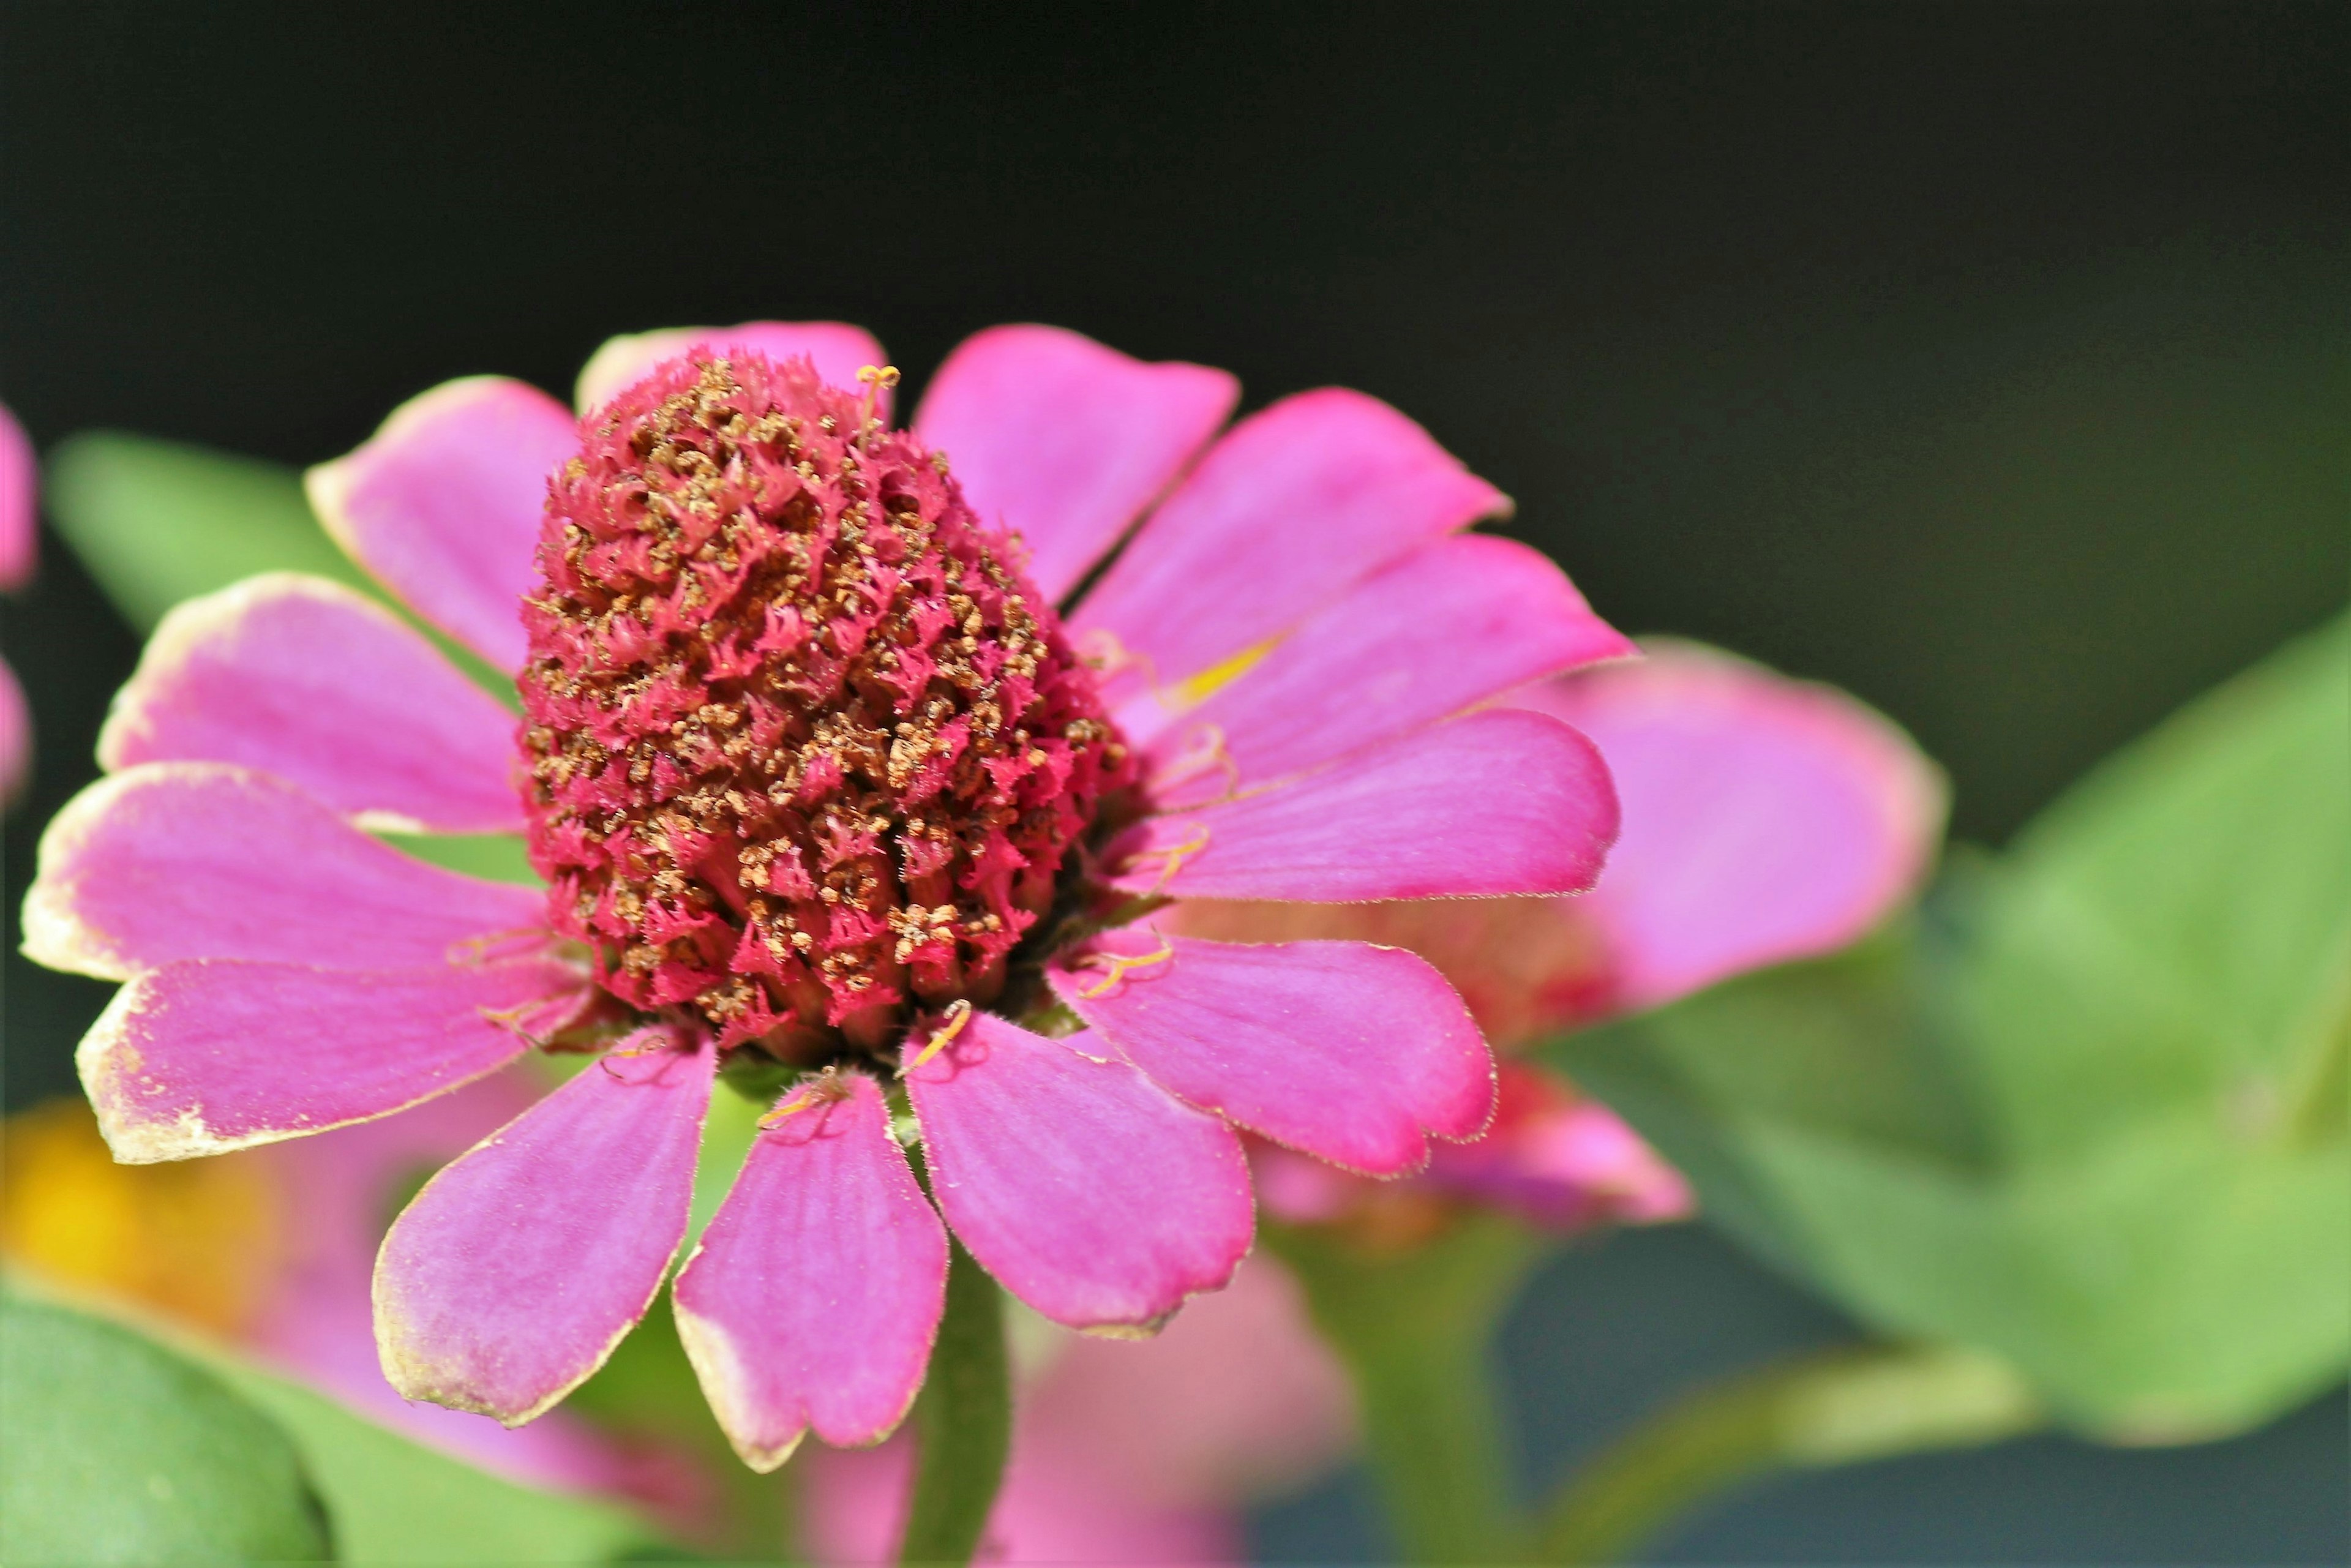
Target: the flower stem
(1835, 1408)
(1414, 1326)
(963, 1422)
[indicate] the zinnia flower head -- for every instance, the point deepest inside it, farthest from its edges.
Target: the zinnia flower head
(861, 763)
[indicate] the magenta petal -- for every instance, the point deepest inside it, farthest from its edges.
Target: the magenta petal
(443, 504)
(1765, 819)
(1292, 505)
(1349, 1051)
(211, 1054)
(817, 1290)
(16, 736)
(1499, 802)
(201, 860)
(1065, 442)
(837, 350)
(1455, 622)
(1082, 1187)
(518, 1268)
(303, 678)
(18, 533)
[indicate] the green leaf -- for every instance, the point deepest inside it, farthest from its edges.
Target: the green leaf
(156, 522)
(119, 1451)
(395, 1500)
(2092, 1117)
(963, 1421)
(1414, 1325)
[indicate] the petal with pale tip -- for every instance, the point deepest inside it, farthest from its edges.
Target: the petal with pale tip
(515, 1272)
(303, 678)
(205, 860)
(816, 1292)
(1084, 1189)
(208, 1055)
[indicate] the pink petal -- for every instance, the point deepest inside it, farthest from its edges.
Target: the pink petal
(1087, 1192)
(837, 350)
(1559, 1160)
(303, 678)
(1292, 506)
(201, 860)
(1352, 1053)
(817, 1290)
(18, 481)
(1454, 623)
(1498, 802)
(1765, 820)
(518, 1268)
(443, 504)
(1065, 442)
(211, 1054)
(335, 1190)
(16, 736)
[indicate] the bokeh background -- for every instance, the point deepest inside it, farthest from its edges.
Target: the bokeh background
(1991, 361)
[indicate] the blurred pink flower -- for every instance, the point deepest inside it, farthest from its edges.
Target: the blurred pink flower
(19, 545)
(1764, 820)
(816, 772)
(1127, 1452)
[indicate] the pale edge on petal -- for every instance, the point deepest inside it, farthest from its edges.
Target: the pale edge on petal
(195, 621)
(328, 485)
(413, 1378)
(55, 936)
(107, 1055)
(718, 1366)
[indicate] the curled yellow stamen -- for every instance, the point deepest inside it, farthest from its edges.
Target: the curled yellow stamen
(875, 379)
(1173, 854)
(486, 946)
(824, 1089)
(959, 1015)
(1118, 964)
(1204, 749)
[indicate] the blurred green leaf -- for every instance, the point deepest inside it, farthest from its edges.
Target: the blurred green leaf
(159, 521)
(962, 1420)
(395, 1500)
(2093, 1117)
(1415, 1325)
(119, 1451)
(496, 857)
(156, 521)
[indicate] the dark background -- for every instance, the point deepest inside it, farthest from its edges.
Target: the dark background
(1990, 361)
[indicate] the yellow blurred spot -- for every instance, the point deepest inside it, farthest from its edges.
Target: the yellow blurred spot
(201, 1241)
(1194, 689)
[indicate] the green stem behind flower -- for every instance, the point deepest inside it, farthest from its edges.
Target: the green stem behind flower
(1414, 1327)
(963, 1422)
(1835, 1408)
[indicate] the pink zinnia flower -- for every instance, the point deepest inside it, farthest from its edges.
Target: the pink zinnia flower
(19, 547)
(826, 789)
(1765, 821)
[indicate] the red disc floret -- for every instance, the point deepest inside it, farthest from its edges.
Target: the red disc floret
(806, 748)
